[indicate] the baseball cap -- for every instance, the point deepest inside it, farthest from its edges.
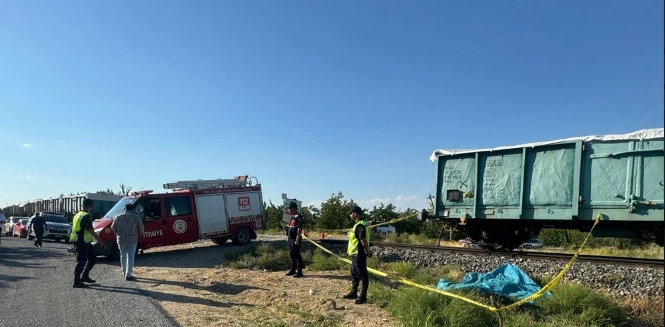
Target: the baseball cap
(293, 205)
(87, 202)
(356, 209)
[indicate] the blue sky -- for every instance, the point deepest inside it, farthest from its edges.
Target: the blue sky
(312, 97)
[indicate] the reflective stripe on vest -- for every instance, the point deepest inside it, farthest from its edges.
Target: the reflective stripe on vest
(76, 227)
(352, 248)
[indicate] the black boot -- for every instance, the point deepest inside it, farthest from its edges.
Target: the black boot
(291, 272)
(86, 279)
(353, 294)
(363, 295)
(298, 273)
(78, 283)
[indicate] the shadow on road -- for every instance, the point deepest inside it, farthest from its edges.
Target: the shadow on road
(159, 296)
(221, 288)
(198, 257)
(23, 257)
(6, 280)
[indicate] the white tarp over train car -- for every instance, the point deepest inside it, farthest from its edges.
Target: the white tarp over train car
(644, 134)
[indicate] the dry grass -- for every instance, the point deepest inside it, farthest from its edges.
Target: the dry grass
(652, 251)
(198, 293)
(222, 296)
(646, 311)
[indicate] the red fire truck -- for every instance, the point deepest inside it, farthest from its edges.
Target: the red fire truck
(219, 210)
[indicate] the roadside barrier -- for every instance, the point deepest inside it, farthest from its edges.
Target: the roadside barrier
(492, 308)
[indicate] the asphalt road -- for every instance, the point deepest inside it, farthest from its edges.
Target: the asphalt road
(36, 290)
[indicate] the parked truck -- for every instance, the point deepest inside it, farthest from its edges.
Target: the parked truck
(504, 196)
(219, 210)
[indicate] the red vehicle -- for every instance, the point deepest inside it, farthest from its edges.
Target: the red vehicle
(20, 228)
(219, 210)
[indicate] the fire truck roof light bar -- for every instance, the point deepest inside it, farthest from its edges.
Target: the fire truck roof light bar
(210, 183)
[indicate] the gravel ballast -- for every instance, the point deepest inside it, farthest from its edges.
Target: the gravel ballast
(617, 280)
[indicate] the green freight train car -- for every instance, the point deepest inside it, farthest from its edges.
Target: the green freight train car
(503, 196)
(68, 205)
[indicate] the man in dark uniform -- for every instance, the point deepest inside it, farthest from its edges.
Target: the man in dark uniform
(358, 250)
(294, 235)
(82, 236)
(38, 225)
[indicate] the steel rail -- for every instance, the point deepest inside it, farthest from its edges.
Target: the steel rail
(597, 259)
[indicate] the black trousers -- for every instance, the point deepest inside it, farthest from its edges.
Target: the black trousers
(85, 260)
(296, 257)
(39, 237)
(359, 270)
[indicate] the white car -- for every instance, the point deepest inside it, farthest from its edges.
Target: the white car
(533, 243)
(386, 230)
(468, 243)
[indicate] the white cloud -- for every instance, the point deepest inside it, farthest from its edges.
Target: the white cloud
(5, 175)
(31, 177)
(316, 203)
(27, 145)
(401, 202)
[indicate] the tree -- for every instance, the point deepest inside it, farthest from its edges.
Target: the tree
(384, 213)
(310, 216)
(106, 191)
(273, 215)
(124, 189)
(335, 213)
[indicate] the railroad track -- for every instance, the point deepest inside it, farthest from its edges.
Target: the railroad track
(599, 259)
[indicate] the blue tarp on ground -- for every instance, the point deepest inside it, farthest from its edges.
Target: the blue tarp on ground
(507, 280)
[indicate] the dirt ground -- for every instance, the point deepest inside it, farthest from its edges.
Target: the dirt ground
(190, 283)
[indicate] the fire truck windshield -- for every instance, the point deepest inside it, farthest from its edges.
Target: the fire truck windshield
(119, 207)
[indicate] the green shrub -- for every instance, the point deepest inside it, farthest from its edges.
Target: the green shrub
(403, 269)
(245, 261)
(569, 305)
(322, 261)
(573, 239)
(581, 305)
(379, 294)
(414, 307)
(275, 257)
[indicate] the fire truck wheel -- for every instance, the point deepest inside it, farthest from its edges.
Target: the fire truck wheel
(243, 236)
(219, 240)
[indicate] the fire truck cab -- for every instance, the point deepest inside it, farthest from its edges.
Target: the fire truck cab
(219, 210)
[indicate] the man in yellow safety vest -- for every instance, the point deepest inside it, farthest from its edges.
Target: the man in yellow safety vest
(358, 250)
(82, 236)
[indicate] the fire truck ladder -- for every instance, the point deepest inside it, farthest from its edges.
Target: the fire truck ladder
(209, 183)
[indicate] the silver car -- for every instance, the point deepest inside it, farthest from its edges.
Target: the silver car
(57, 227)
(533, 243)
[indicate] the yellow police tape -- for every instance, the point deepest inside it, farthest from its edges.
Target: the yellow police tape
(527, 299)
